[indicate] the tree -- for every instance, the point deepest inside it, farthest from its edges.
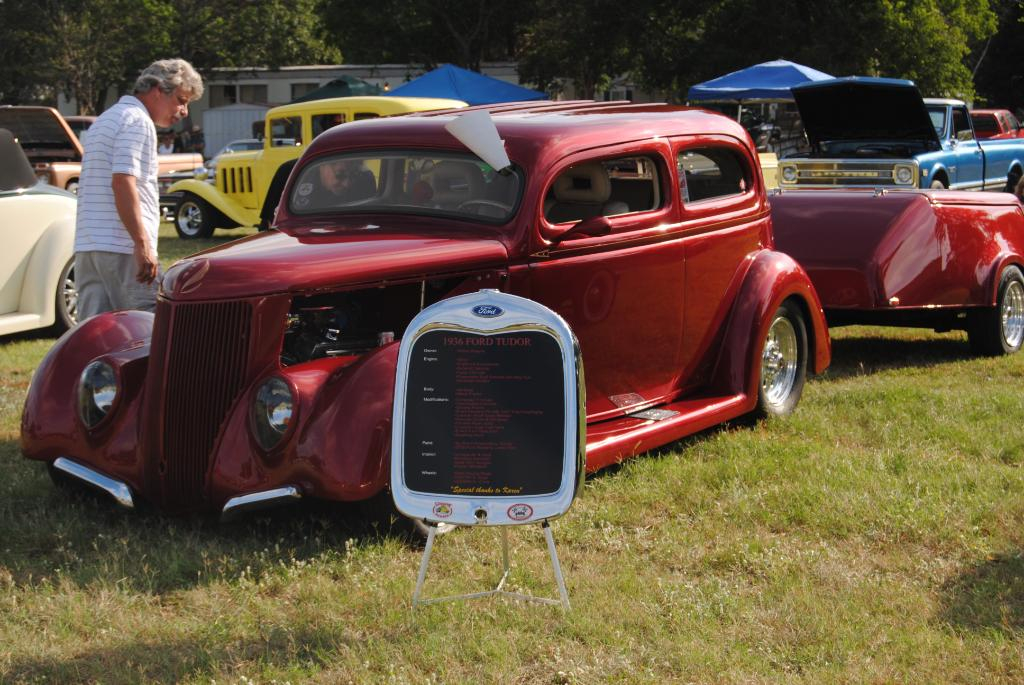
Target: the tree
(423, 32)
(21, 51)
(924, 40)
(588, 42)
(84, 48)
(999, 62)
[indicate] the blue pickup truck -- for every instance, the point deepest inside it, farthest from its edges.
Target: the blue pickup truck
(880, 132)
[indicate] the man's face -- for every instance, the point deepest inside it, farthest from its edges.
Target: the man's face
(334, 176)
(170, 108)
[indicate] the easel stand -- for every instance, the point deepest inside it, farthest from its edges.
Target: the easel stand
(499, 590)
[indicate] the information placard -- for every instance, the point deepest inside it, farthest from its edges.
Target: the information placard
(488, 425)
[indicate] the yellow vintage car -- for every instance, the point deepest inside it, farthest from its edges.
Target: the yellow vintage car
(248, 184)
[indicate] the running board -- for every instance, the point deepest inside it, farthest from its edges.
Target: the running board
(614, 440)
(121, 493)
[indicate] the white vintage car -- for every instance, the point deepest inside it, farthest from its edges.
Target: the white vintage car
(37, 262)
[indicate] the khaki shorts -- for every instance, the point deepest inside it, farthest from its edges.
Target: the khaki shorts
(106, 282)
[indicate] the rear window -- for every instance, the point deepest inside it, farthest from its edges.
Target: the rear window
(706, 173)
(420, 183)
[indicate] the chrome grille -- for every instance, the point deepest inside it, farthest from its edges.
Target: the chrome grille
(207, 353)
(845, 172)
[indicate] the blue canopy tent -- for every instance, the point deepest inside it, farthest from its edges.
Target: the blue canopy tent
(448, 81)
(759, 87)
(765, 82)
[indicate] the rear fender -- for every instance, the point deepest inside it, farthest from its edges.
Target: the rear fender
(996, 272)
(773, 278)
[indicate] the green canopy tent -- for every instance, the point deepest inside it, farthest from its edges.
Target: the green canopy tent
(340, 87)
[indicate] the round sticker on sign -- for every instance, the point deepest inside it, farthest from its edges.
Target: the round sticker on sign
(520, 512)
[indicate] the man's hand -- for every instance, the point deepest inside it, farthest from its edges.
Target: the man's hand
(145, 260)
(126, 199)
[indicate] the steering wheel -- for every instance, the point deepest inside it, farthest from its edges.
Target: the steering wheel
(465, 206)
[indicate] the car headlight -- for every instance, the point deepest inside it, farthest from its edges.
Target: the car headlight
(272, 411)
(789, 174)
(97, 391)
(904, 175)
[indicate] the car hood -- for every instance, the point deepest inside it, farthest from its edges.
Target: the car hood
(856, 108)
(39, 128)
(276, 262)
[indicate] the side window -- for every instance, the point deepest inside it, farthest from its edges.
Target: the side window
(607, 187)
(322, 122)
(711, 172)
(962, 125)
(365, 115)
(289, 128)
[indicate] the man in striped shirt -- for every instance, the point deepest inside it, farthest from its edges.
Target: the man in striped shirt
(118, 196)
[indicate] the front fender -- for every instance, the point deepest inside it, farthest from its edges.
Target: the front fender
(218, 200)
(771, 279)
(339, 444)
(50, 426)
(930, 169)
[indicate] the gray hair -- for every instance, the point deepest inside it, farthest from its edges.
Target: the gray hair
(168, 75)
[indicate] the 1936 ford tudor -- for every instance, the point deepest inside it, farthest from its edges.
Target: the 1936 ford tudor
(268, 370)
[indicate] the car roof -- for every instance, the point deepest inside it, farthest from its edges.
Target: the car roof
(566, 127)
(990, 111)
(943, 101)
(381, 103)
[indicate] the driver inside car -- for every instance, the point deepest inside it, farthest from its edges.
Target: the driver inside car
(344, 181)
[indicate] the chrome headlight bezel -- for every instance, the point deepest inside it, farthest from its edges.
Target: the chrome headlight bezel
(903, 174)
(788, 173)
(99, 389)
(272, 412)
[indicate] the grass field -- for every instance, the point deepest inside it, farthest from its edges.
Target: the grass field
(874, 537)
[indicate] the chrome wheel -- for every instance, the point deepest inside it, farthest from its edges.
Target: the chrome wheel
(69, 295)
(189, 219)
(1012, 315)
(194, 217)
(66, 299)
(779, 362)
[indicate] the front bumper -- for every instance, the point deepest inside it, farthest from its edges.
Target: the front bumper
(120, 491)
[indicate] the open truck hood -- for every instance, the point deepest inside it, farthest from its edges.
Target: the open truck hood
(39, 130)
(860, 108)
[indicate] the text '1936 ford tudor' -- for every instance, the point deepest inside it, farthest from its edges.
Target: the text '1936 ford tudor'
(268, 370)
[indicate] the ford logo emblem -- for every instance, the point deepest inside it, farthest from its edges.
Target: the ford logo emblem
(488, 311)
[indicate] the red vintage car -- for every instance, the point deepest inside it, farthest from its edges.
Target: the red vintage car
(268, 370)
(942, 259)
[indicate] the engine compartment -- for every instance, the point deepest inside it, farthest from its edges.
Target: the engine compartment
(867, 149)
(355, 322)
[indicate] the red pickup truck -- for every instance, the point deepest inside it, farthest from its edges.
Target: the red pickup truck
(996, 123)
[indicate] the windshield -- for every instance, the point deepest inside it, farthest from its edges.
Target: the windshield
(407, 182)
(938, 117)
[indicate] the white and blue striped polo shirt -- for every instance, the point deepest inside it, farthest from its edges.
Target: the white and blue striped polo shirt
(123, 141)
